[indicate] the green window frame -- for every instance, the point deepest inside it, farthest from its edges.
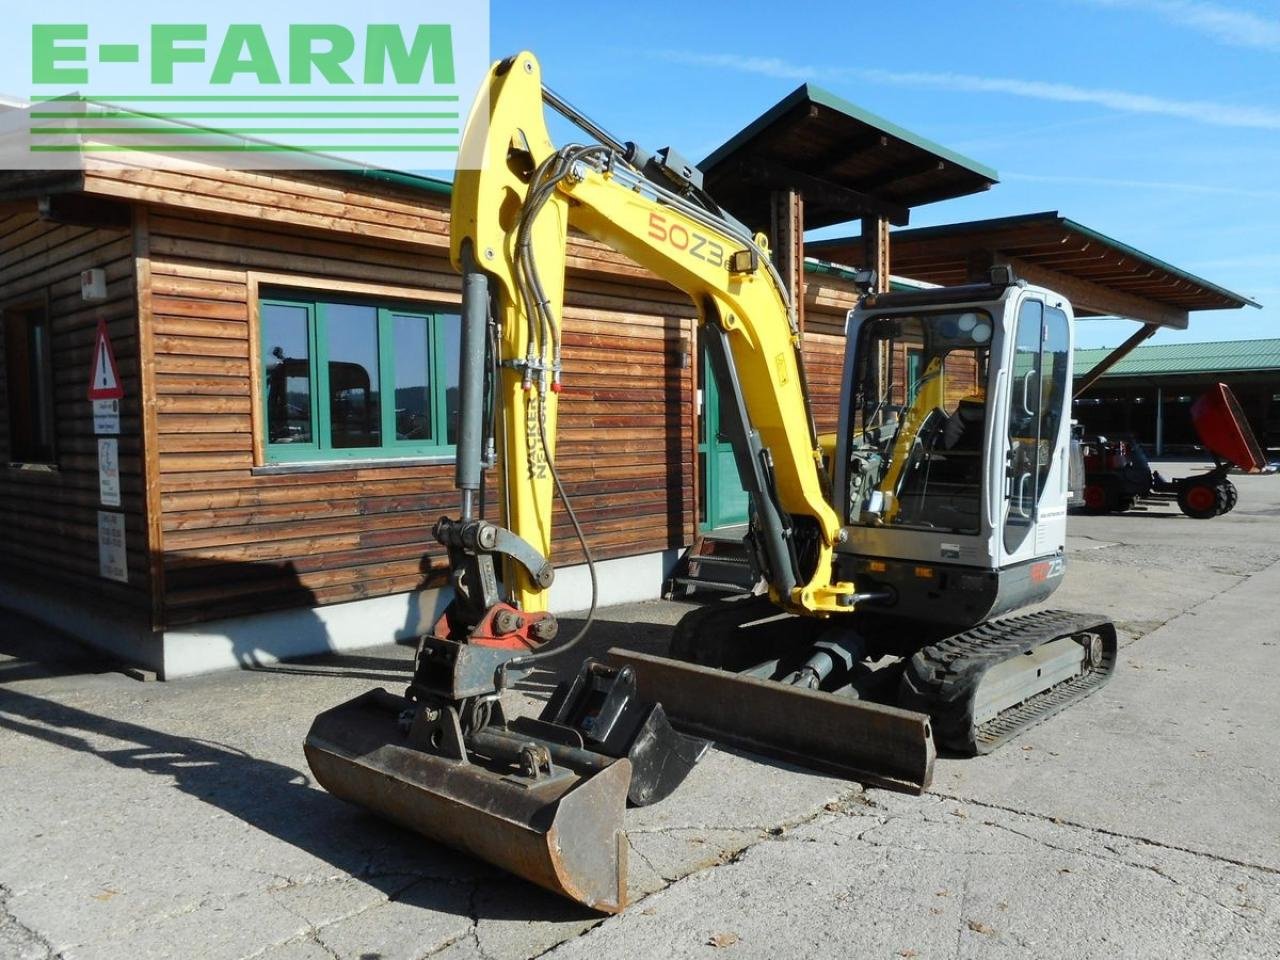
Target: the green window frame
(316, 440)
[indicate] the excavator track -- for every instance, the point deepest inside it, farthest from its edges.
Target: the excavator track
(944, 679)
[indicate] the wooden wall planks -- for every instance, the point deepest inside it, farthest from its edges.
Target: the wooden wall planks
(49, 517)
(228, 538)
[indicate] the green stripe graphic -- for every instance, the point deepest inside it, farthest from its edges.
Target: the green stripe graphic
(250, 98)
(202, 131)
(239, 148)
(240, 115)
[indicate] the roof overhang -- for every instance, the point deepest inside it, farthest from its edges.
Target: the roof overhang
(1099, 275)
(847, 162)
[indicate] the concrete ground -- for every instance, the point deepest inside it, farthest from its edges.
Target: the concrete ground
(179, 820)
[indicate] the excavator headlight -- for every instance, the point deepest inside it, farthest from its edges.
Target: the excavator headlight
(743, 262)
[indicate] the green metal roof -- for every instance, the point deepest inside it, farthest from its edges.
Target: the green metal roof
(809, 93)
(1165, 359)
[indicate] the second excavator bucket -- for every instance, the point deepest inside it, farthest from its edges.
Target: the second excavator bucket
(869, 742)
(562, 829)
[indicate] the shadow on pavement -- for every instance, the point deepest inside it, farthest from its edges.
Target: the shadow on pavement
(280, 801)
(32, 651)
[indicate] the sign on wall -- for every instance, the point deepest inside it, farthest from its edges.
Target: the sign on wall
(105, 388)
(109, 471)
(106, 417)
(113, 561)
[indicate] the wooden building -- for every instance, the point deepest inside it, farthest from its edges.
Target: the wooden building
(282, 342)
(222, 285)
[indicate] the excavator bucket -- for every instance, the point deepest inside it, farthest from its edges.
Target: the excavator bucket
(869, 742)
(562, 831)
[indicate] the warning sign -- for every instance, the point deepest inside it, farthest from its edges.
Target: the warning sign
(105, 383)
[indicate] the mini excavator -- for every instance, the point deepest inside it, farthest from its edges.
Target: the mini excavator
(889, 552)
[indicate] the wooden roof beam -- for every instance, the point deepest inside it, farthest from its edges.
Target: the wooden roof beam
(1096, 297)
(818, 191)
(896, 174)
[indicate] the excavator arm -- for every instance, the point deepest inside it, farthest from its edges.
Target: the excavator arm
(512, 210)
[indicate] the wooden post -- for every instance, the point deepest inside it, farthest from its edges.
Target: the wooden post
(875, 256)
(875, 249)
(786, 237)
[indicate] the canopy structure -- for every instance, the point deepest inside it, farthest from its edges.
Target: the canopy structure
(847, 162)
(1099, 275)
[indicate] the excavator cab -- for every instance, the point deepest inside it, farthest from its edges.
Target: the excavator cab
(955, 430)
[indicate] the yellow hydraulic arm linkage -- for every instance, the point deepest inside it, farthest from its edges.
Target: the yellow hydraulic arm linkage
(512, 207)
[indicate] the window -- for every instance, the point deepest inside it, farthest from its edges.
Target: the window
(347, 379)
(28, 357)
(915, 367)
(1039, 386)
(915, 457)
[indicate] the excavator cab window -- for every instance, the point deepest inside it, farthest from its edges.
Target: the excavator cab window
(919, 417)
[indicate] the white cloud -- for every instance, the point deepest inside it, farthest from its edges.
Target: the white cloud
(1168, 186)
(1239, 28)
(1199, 111)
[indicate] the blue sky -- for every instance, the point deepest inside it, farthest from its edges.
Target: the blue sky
(1156, 122)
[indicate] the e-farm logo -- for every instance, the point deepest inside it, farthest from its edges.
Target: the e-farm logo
(253, 94)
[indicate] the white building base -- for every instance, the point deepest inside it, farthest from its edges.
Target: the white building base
(278, 635)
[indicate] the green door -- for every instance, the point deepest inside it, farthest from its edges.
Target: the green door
(724, 502)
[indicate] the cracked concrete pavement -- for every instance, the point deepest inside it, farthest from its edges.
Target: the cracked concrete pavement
(159, 820)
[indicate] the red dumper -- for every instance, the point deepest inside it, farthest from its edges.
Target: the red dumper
(1117, 472)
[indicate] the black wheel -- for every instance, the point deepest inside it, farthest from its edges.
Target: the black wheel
(1202, 500)
(1233, 495)
(1124, 505)
(1102, 494)
(1095, 498)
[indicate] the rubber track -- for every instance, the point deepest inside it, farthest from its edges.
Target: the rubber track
(942, 679)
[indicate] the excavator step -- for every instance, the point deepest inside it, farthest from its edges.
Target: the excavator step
(716, 562)
(988, 684)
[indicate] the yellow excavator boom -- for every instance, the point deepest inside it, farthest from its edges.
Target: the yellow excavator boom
(726, 272)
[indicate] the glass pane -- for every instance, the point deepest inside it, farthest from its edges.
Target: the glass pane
(919, 405)
(450, 329)
(287, 360)
(413, 384)
(42, 388)
(354, 416)
(1024, 424)
(1054, 386)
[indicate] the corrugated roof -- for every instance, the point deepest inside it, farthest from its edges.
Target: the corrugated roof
(1162, 359)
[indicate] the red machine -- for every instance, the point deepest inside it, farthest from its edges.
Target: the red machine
(1117, 471)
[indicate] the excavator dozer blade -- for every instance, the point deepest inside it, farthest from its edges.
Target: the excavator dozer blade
(869, 742)
(565, 835)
